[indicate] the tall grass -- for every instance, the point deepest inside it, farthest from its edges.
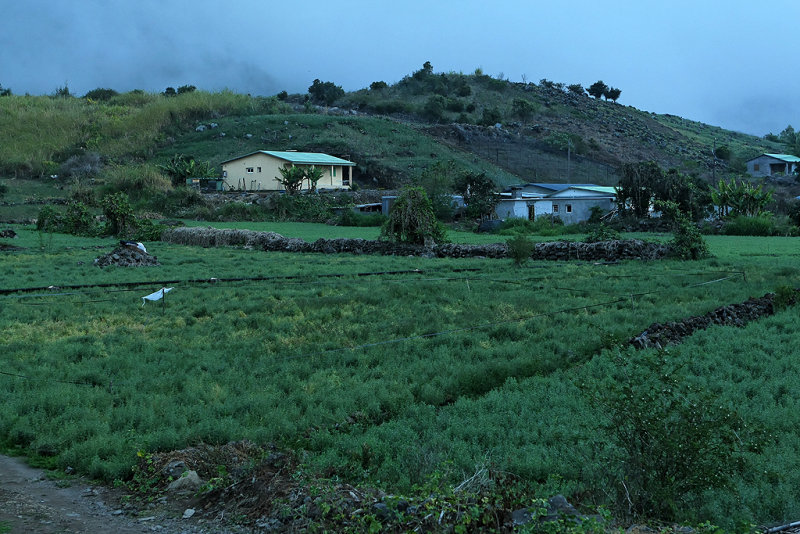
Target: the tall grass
(36, 132)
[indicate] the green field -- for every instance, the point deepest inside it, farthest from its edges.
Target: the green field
(382, 378)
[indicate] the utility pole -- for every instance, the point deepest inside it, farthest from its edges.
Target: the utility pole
(714, 166)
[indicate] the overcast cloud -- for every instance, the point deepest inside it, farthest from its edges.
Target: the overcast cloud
(731, 64)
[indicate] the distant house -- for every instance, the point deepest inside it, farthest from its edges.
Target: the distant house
(259, 171)
(572, 203)
(772, 164)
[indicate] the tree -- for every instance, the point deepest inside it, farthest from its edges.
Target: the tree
(438, 181)
(612, 94)
(479, 194)
(597, 89)
(491, 116)
(434, 108)
(377, 86)
(100, 94)
(5, 91)
(186, 89)
(291, 178)
(325, 92)
(119, 215)
(180, 167)
(282, 96)
(412, 220)
(635, 188)
(740, 198)
(170, 91)
(523, 108)
(313, 175)
(577, 89)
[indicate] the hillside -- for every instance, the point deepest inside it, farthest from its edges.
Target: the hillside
(514, 132)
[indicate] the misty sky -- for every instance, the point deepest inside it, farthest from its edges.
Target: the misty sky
(729, 63)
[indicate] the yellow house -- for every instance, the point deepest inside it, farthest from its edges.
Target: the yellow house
(259, 171)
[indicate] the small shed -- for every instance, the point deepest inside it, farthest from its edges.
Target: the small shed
(772, 164)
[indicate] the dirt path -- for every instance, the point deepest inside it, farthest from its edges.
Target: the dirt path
(32, 504)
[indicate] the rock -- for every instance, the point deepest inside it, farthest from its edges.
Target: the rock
(174, 469)
(189, 482)
(189, 512)
(521, 517)
(201, 128)
(558, 507)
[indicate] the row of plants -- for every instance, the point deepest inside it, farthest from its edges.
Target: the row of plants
(293, 363)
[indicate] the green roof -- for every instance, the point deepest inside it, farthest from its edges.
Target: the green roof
(301, 158)
(784, 157)
(598, 188)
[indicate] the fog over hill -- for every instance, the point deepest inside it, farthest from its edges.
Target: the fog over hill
(722, 66)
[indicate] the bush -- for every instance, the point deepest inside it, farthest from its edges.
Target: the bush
(78, 220)
(119, 215)
(49, 220)
(602, 232)
(520, 249)
(136, 181)
(671, 440)
(761, 225)
(687, 242)
(412, 219)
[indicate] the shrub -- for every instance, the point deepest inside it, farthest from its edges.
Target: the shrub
(78, 220)
(687, 242)
(602, 232)
(101, 95)
(377, 86)
(671, 440)
(119, 215)
(136, 181)
(49, 219)
(761, 225)
(491, 116)
(520, 249)
(412, 219)
(434, 108)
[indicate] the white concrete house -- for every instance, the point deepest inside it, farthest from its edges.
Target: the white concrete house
(570, 202)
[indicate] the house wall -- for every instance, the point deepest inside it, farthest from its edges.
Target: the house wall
(767, 166)
(519, 208)
(575, 210)
(236, 176)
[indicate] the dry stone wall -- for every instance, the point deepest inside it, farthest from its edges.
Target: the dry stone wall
(557, 250)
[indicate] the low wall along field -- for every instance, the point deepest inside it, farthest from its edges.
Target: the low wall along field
(556, 250)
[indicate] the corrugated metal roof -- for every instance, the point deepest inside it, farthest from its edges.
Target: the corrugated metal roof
(784, 157)
(300, 158)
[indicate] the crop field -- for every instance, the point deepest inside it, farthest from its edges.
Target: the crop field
(386, 370)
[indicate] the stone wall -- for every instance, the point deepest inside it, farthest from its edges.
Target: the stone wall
(554, 250)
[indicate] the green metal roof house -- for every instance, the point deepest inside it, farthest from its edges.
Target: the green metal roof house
(259, 171)
(772, 164)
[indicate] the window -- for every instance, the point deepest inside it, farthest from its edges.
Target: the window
(224, 174)
(249, 170)
(569, 208)
(555, 208)
(334, 172)
(259, 169)
(755, 167)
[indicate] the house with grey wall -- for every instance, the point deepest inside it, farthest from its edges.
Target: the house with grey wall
(572, 203)
(772, 164)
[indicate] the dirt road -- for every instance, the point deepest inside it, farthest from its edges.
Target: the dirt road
(32, 504)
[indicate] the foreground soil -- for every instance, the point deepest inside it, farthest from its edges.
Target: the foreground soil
(30, 503)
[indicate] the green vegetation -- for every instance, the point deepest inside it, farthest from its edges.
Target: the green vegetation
(351, 370)
(412, 219)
